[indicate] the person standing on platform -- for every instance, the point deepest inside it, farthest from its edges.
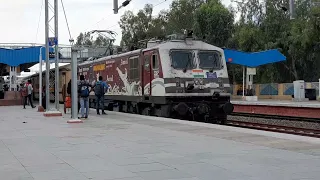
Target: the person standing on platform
(100, 88)
(29, 89)
(84, 91)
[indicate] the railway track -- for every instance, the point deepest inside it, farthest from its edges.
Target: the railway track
(289, 118)
(275, 128)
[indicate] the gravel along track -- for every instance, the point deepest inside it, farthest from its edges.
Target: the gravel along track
(279, 122)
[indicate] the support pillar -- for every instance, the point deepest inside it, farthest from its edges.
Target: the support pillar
(319, 90)
(40, 107)
(13, 78)
(249, 81)
(74, 87)
(243, 81)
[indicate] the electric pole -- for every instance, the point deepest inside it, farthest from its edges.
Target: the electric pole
(51, 39)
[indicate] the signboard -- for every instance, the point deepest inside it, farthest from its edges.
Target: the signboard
(53, 41)
(212, 75)
(251, 71)
(99, 67)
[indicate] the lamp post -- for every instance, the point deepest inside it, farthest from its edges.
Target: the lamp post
(115, 5)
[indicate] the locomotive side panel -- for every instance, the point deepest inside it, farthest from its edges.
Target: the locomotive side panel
(122, 73)
(152, 73)
(123, 80)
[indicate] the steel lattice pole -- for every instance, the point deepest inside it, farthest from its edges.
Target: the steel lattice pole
(56, 17)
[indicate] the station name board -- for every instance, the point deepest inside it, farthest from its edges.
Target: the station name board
(99, 67)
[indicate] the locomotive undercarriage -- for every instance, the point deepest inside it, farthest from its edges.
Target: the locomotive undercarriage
(205, 109)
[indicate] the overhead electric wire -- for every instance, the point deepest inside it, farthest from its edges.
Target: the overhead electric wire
(39, 20)
(65, 16)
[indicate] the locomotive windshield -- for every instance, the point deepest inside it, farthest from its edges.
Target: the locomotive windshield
(209, 60)
(182, 60)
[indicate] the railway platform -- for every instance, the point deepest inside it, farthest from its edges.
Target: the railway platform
(132, 147)
(307, 109)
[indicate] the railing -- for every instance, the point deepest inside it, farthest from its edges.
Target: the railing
(275, 89)
(64, 50)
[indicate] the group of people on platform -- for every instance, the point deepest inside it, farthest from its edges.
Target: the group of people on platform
(84, 88)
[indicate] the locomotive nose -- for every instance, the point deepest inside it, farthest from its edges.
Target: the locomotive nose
(227, 107)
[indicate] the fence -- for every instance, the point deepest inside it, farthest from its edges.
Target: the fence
(274, 90)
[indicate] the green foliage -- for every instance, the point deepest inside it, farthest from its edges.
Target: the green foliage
(87, 40)
(181, 15)
(137, 29)
(214, 23)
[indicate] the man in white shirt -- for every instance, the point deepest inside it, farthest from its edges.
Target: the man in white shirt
(29, 87)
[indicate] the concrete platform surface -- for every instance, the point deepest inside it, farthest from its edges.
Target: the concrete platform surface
(132, 147)
(270, 102)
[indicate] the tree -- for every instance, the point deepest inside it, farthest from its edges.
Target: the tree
(84, 39)
(87, 39)
(137, 29)
(181, 15)
(214, 23)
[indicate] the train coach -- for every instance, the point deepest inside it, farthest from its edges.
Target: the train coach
(64, 78)
(181, 77)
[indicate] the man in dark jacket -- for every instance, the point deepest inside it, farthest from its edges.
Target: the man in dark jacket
(84, 89)
(100, 88)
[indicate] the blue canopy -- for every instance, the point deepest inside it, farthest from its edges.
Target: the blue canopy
(253, 59)
(16, 57)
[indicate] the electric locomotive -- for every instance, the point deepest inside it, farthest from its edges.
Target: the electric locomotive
(180, 77)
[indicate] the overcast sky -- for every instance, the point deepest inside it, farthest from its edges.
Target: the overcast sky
(19, 18)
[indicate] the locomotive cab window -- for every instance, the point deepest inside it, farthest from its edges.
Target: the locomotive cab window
(147, 63)
(209, 60)
(134, 68)
(155, 61)
(182, 59)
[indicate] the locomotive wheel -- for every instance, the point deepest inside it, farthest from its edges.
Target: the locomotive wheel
(146, 111)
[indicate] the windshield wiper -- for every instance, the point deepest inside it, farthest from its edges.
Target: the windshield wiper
(213, 64)
(188, 62)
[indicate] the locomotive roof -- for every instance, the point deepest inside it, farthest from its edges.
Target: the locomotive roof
(172, 44)
(111, 57)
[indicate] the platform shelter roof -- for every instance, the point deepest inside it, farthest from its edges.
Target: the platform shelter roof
(16, 57)
(254, 59)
